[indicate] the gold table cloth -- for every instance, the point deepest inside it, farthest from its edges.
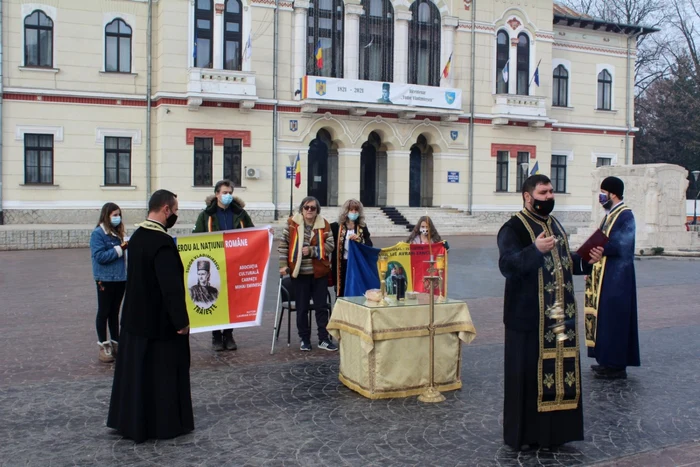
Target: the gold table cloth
(385, 350)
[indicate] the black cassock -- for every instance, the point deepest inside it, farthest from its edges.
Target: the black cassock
(151, 390)
(542, 388)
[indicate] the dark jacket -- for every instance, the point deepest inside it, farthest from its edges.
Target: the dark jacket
(209, 222)
(154, 304)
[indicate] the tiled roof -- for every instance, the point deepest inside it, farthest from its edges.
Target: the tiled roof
(566, 16)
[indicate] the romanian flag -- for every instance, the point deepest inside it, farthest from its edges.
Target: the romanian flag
(319, 55)
(536, 169)
(448, 65)
(409, 260)
(297, 172)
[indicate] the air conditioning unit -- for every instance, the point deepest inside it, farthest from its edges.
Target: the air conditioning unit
(252, 172)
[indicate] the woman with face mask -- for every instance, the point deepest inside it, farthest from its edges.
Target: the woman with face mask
(108, 250)
(425, 232)
(350, 227)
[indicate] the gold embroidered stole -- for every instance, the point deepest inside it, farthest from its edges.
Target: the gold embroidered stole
(558, 378)
(151, 225)
(594, 283)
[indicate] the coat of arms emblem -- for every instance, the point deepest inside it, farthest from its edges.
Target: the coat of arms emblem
(449, 97)
(293, 125)
(454, 134)
(321, 87)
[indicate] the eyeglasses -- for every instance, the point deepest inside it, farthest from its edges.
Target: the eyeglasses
(309, 207)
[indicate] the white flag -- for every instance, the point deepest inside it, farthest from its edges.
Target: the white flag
(505, 71)
(248, 49)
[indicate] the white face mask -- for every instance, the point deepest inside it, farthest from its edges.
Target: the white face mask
(423, 231)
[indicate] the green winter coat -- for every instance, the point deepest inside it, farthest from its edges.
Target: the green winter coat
(208, 222)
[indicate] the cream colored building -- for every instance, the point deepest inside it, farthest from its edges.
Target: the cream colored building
(75, 78)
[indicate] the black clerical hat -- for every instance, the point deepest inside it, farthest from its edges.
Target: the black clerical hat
(613, 185)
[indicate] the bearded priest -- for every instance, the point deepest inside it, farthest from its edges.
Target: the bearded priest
(542, 383)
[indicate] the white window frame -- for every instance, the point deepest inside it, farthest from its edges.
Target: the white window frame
(51, 12)
(218, 35)
(566, 64)
(130, 20)
(502, 25)
(102, 133)
(603, 155)
(611, 69)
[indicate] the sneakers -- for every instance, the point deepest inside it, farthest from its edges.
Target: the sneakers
(305, 346)
(217, 343)
(105, 354)
(328, 345)
(229, 342)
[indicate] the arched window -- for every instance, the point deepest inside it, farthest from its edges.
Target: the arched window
(424, 44)
(560, 96)
(501, 61)
(523, 85)
(203, 34)
(604, 90)
(118, 47)
(38, 40)
(325, 31)
(233, 37)
(377, 41)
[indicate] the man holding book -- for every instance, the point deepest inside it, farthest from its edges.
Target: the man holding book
(611, 290)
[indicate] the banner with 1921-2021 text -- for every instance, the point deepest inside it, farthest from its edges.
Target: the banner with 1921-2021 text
(225, 277)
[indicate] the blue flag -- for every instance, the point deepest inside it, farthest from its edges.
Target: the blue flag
(536, 169)
(537, 76)
(361, 274)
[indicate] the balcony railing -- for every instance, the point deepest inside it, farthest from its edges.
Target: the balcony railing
(235, 86)
(509, 107)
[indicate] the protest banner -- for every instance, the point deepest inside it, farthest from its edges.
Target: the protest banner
(225, 277)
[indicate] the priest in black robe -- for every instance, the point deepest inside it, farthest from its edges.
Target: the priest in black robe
(611, 290)
(542, 384)
(151, 390)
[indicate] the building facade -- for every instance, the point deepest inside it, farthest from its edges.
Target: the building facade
(396, 102)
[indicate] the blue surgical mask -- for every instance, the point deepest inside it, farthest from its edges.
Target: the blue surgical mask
(226, 199)
(115, 220)
(602, 198)
(353, 216)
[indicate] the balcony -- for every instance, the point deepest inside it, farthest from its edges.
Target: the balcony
(222, 85)
(509, 107)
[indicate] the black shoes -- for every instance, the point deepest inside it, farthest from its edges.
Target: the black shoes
(305, 346)
(603, 372)
(217, 343)
(229, 342)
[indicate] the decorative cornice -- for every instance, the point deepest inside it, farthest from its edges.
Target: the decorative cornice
(218, 135)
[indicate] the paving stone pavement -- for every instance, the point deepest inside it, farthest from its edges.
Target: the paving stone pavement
(252, 408)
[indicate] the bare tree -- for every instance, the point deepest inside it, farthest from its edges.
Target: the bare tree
(684, 17)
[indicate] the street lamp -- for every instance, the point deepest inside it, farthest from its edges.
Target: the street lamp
(696, 174)
(292, 159)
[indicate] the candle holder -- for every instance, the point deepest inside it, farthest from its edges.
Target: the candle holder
(383, 264)
(431, 394)
(440, 266)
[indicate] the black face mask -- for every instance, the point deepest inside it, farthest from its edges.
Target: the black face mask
(607, 205)
(543, 207)
(170, 221)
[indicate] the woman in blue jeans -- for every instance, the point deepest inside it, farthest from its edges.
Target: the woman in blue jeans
(108, 250)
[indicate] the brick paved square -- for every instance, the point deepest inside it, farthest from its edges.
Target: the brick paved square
(252, 408)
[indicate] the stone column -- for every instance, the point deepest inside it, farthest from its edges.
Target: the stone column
(218, 35)
(299, 43)
(351, 52)
(401, 46)
(397, 185)
(447, 46)
(513, 66)
(348, 174)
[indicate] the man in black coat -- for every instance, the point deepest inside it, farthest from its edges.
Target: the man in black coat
(542, 383)
(151, 390)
